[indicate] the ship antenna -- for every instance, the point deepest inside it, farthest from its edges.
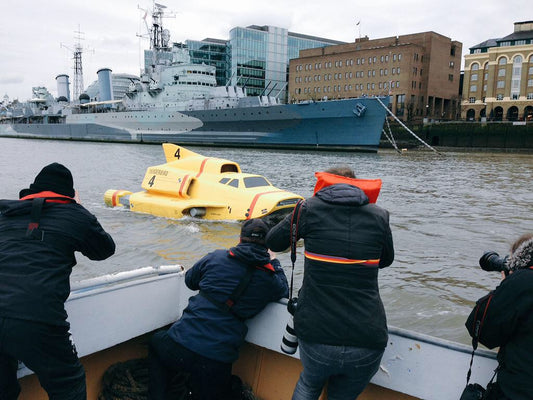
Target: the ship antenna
(78, 66)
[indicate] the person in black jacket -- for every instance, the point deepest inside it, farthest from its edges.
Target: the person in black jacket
(339, 318)
(38, 237)
(205, 341)
(505, 320)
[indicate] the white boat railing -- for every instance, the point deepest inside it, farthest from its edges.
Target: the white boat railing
(112, 309)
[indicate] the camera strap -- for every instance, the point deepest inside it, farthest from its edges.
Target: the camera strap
(478, 324)
(33, 231)
(293, 238)
(234, 296)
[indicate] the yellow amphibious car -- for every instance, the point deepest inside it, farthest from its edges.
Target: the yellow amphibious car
(190, 184)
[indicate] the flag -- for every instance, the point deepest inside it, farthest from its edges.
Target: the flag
(358, 22)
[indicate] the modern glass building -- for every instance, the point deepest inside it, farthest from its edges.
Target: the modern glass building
(259, 57)
(211, 52)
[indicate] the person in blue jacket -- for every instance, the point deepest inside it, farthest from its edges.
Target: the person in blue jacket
(39, 234)
(233, 285)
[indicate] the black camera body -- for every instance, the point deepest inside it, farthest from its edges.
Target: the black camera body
(491, 261)
(289, 343)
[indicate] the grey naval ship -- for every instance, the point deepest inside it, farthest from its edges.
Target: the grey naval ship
(178, 101)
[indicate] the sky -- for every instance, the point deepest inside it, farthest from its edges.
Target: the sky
(37, 38)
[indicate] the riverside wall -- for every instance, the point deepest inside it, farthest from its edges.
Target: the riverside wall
(506, 136)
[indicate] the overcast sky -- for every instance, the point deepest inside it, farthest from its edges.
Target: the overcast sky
(32, 31)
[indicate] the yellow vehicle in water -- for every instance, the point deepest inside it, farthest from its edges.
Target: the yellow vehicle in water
(190, 184)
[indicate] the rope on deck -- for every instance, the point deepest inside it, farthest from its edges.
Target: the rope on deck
(128, 380)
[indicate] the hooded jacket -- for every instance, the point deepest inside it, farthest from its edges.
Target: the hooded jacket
(35, 271)
(346, 241)
(506, 316)
(206, 329)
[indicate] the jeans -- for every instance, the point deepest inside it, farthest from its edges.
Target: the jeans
(45, 349)
(209, 379)
(346, 370)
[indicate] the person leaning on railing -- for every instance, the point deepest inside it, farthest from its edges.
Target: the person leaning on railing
(39, 234)
(339, 318)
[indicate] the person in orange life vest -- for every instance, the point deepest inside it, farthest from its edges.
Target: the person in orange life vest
(39, 234)
(205, 341)
(339, 318)
(505, 320)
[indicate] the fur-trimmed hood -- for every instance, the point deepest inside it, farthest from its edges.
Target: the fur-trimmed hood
(522, 256)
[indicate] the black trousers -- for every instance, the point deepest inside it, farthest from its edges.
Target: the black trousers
(209, 379)
(45, 349)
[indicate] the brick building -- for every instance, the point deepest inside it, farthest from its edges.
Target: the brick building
(498, 77)
(420, 72)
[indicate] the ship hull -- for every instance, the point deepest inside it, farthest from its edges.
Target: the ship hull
(324, 125)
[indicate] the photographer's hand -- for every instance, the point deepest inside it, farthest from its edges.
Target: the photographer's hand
(272, 254)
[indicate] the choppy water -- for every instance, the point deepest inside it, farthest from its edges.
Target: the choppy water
(445, 212)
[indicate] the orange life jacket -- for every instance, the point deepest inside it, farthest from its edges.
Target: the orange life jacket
(371, 187)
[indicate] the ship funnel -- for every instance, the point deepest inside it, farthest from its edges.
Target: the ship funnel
(63, 86)
(105, 84)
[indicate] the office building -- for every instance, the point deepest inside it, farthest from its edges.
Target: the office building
(255, 57)
(211, 52)
(421, 73)
(498, 77)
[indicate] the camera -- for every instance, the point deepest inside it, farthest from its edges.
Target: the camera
(289, 343)
(491, 261)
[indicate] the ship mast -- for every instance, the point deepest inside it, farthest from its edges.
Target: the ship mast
(159, 37)
(78, 66)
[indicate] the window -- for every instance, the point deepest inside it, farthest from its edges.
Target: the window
(530, 71)
(500, 84)
(473, 77)
(472, 100)
(224, 181)
(519, 42)
(505, 44)
(501, 72)
(475, 67)
(473, 88)
(499, 97)
(530, 96)
(234, 183)
(516, 77)
(502, 61)
(450, 77)
(452, 64)
(530, 83)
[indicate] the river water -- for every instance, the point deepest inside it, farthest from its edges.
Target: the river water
(445, 211)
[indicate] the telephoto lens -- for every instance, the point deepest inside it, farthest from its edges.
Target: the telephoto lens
(491, 261)
(289, 343)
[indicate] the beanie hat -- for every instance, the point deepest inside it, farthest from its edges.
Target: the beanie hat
(54, 178)
(254, 231)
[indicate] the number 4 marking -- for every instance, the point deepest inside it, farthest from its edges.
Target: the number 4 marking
(151, 181)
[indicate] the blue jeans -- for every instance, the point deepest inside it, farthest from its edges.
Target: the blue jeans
(347, 370)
